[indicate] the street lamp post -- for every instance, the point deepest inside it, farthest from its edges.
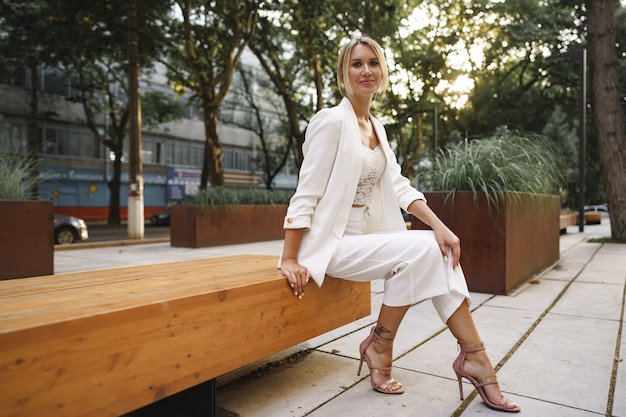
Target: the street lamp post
(581, 56)
(435, 113)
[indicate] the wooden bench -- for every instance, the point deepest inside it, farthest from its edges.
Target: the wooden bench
(593, 218)
(572, 220)
(567, 220)
(104, 343)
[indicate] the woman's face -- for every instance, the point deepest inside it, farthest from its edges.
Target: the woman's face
(364, 70)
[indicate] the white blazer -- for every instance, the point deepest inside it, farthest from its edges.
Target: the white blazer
(327, 185)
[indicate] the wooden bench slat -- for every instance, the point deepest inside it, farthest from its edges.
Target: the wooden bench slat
(127, 342)
(100, 292)
(24, 286)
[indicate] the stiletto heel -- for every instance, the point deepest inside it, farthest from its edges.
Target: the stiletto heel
(386, 387)
(358, 372)
(460, 386)
(480, 386)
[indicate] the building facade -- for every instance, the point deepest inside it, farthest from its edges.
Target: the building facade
(75, 168)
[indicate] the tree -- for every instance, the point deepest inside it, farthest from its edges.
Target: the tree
(564, 136)
(505, 43)
(157, 107)
(25, 43)
(100, 89)
(264, 116)
(292, 47)
(202, 53)
(297, 44)
(45, 32)
(608, 111)
(98, 67)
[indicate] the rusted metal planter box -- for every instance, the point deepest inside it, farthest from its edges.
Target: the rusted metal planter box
(197, 227)
(503, 244)
(26, 238)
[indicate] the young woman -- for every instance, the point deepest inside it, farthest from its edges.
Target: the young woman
(344, 221)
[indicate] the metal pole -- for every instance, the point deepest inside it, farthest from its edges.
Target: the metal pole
(435, 135)
(582, 129)
(435, 113)
(581, 55)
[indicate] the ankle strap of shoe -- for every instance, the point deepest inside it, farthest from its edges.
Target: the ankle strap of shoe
(471, 349)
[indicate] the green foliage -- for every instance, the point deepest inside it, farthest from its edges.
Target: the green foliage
(507, 161)
(226, 196)
(564, 136)
(157, 107)
(16, 179)
(431, 45)
(201, 54)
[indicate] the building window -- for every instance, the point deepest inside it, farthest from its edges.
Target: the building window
(197, 155)
(83, 143)
(13, 137)
(148, 150)
(54, 142)
(159, 153)
(67, 143)
(182, 154)
(170, 153)
(54, 82)
(236, 159)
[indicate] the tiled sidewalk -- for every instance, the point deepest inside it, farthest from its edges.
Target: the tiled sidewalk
(557, 345)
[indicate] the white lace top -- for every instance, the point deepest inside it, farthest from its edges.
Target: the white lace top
(373, 167)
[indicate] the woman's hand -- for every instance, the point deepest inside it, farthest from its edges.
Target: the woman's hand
(446, 239)
(444, 236)
(296, 274)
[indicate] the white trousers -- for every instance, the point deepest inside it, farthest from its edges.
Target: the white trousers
(409, 261)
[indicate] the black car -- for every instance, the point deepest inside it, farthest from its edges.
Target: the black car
(161, 219)
(68, 229)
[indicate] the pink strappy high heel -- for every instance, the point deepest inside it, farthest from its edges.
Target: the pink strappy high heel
(504, 404)
(389, 385)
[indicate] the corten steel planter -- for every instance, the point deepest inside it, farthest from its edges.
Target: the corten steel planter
(197, 227)
(26, 238)
(502, 245)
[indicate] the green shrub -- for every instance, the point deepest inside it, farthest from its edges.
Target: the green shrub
(509, 161)
(226, 196)
(16, 180)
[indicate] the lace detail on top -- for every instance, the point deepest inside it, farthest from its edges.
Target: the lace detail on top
(373, 166)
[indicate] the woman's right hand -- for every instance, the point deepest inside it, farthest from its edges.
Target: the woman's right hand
(296, 274)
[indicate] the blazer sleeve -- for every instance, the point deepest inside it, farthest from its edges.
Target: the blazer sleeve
(404, 191)
(320, 149)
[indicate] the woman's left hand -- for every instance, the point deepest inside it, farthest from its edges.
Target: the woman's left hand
(297, 276)
(448, 240)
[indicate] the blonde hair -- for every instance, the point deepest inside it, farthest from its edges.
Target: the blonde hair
(343, 64)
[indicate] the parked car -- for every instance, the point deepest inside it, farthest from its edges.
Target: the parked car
(68, 229)
(161, 219)
(597, 208)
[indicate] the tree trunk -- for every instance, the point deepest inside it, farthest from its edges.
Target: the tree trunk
(135, 206)
(212, 168)
(608, 113)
